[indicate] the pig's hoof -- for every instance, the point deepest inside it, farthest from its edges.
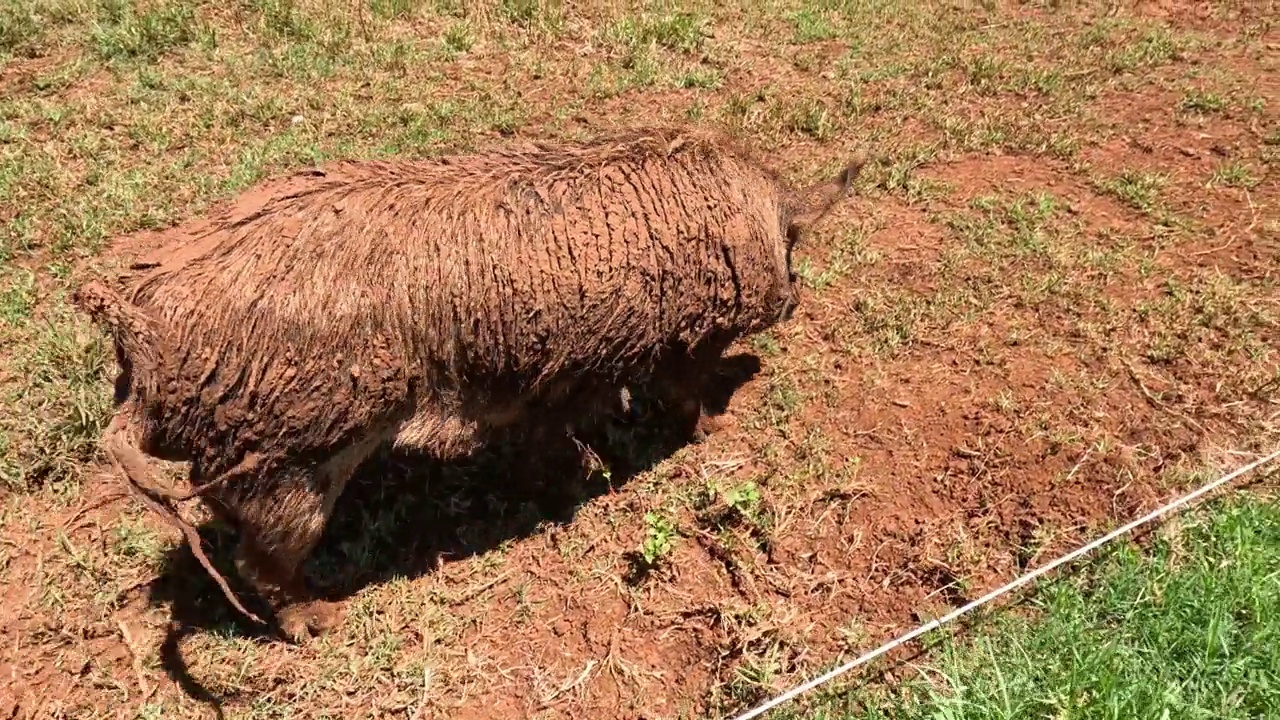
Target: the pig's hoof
(704, 428)
(303, 621)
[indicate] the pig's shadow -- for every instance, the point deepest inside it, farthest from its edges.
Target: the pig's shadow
(402, 515)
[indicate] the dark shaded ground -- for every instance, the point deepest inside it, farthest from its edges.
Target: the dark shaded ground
(404, 515)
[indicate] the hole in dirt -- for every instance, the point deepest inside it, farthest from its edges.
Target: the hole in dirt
(403, 515)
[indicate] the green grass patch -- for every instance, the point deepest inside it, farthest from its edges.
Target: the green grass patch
(1138, 189)
(1200, 101)
(1186, 629)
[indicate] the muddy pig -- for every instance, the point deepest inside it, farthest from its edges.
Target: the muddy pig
(278, 343)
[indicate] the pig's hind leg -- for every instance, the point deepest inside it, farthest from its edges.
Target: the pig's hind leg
(280, 524)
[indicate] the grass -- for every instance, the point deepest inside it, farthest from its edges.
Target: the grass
(1235, 175)
(1022, 328)
(1203, 102)
(1136, 188)
(1182, 629)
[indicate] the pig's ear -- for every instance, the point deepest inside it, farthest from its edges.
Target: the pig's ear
(811, 203)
